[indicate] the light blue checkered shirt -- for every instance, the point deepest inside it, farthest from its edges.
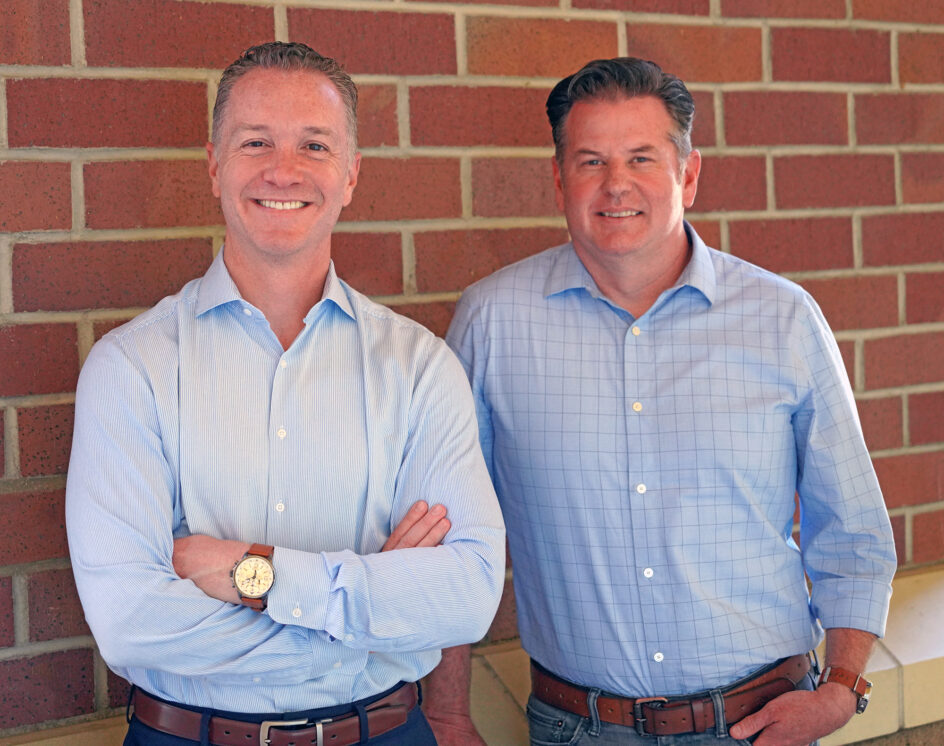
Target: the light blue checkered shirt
(191, 418)
(647, 469)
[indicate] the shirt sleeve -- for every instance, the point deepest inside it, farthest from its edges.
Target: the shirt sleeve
(420, 598)
(845, 533)
(121, 514)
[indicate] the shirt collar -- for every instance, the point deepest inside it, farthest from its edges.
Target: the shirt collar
(569, 273)
(217, 288)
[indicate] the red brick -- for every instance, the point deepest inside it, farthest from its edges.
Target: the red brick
(380, 42)
(535, 3)
(898, 531)
(46, 687)
(32, 527)
(902, 239)
(370, 262)
(149, 194)
(118, 690)
(45, 439)
(454, 115)
(732, 183)
(505, 187)
(377, 116)
(685, 7)
(35, 32)
(924, 298)
(912, 479)
(104, 274)
(703, 131)
(927, 538)
(38, 359)
(904, 360)
(699, 53)
(451, 260)
(784, 8)
(793, 245)
(848, 55)
(54, 607)
(896, 118)
(434, 316)
(505, 624)
(403, 189)
(882, 422)
(43, 196)
(63, 113)
(847, 351)
(123, 34)
(541, 47)
(924, 418)
(898, 10)
(857, 302)
(6, 612)
(922, 177)
(921, 58)
(834, 180)
(770, 118)
(2, 454)
(709, 231)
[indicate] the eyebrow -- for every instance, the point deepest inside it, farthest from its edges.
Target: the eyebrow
(639, 149)
(309, 130)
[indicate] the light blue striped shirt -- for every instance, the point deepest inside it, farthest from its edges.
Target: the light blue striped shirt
(647, 469)
(192, 419)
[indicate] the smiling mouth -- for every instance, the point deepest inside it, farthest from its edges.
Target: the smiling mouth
(273, 204)
(620, 214)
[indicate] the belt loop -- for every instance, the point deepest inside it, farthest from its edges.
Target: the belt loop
(721, 723)
(592, 697)
(129, 708)
(205, 727)
(362, 718)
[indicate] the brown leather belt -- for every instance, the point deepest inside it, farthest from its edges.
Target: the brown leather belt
(382, 716)
(669, 716)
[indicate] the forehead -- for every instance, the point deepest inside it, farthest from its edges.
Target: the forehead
(637, 120)
(272, 97)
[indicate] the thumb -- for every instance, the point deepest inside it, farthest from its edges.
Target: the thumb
(750, 725)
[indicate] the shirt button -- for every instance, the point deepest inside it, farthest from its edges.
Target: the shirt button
(283, 364)
(641, 489)
(256, 679)
(348, 637)
(648, 572)
(658, 657)
(281, 433)
(337, 664)
(636, 331)
(280, 506)
(247, 311)
(637, 406)
(296, 612)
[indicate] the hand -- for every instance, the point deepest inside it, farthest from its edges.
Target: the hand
(798, 718)
(454, 730)
(208, 562)
(422, 526)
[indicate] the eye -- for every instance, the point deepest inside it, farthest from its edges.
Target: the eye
(641, 159)
(593, 162)
(316, 146)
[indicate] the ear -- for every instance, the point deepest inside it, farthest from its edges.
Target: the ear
(690, 173)
(558, 184)
(353, 171)
(213, 166)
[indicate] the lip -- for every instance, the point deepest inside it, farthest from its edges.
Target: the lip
(281, 205)
(627, 213)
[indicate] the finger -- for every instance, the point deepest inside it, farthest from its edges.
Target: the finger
(436, 534)
(748, 726)
(414, 514)
(418, 532)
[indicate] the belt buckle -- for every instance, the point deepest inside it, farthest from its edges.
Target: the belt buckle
(266, 725)
(638, 720)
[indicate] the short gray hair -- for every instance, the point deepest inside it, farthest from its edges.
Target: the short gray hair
(287, 56)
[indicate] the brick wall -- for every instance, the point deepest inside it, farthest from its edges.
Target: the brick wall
(821, 123)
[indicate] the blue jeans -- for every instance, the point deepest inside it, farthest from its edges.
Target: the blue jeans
(550, 725)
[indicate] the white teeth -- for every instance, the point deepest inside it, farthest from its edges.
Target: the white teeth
(623, 214)
(271, 203)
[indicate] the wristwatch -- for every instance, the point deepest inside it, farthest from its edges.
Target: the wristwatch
(859, 685)
(253, 576)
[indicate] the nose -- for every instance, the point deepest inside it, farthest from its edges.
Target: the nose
(284, 167)
(618, 180)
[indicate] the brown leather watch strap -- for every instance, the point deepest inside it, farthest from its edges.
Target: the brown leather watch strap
(855, 681)
(263, 550)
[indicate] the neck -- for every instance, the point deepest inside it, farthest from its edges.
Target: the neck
(282, 289)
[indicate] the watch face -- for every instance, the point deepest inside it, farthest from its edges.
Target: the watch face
(253, 577)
